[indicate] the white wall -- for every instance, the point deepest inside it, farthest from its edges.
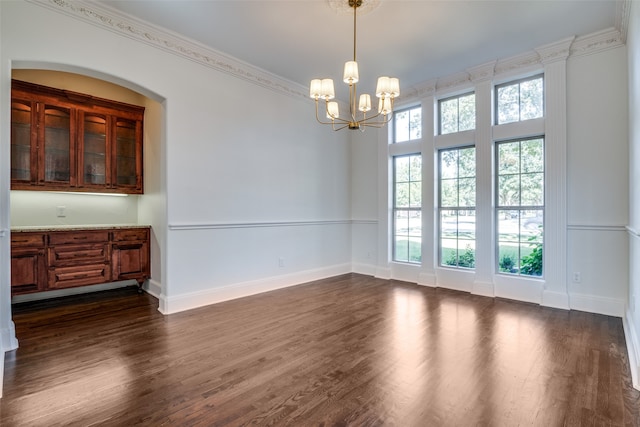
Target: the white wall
(598, 181)
(632, 318)
(364, 201)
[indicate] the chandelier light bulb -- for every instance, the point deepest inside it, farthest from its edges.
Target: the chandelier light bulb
(332, 110)
(365, 103)
(350, 72)
(315, 89)
(327, 92)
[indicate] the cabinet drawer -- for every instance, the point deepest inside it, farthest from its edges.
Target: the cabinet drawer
(78, 254)
(65, 237)
(27, 239)
(69, 277)
(129, 235)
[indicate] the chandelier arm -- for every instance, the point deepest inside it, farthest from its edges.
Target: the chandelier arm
(333, 126)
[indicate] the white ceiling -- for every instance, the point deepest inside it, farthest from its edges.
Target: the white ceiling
(415, 40)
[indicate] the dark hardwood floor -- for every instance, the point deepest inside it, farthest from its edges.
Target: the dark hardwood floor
(351, 350)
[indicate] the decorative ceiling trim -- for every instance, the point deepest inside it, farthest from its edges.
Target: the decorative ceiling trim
(518, 64)
(133, 28)
(623, 11)
(130, 27)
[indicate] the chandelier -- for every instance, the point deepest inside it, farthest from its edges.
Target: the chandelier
(387, 89)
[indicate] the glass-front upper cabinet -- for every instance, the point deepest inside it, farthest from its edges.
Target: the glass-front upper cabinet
(127, 153)
(21, 145)
(94, 158)
(58, 154)
(67, 141)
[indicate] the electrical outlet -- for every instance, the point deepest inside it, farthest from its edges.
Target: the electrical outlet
(577, 277)
(61, 211)
(280, 262)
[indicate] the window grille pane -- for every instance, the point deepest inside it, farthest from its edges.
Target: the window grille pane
(531, 104)
(532, 155)
(467, 114)
(449, 116)
(415, 194)
(402, 126)
(402, 195)
(508, 104)
(521, 100)
(407, 125)
(467, 192)
(532, 189)
(415, 123)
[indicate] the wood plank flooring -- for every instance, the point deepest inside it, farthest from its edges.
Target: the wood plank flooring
(346, 351)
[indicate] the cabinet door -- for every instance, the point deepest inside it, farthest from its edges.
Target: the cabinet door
(23, 141)
(130, 261)
(56, 162)
(127, 168)
(28, 270)
(94, 158)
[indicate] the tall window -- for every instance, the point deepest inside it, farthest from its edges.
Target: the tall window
(407, 125)
(457, 201)
(520, 100)
(407, 204)
(457, 113)
(520, 206)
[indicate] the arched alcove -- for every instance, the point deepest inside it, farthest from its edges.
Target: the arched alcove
(146, 209)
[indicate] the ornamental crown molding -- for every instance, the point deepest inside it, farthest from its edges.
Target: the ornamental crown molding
(557, 51)
(133, 28)
(597, 42)
(482, 72)
(106, 18)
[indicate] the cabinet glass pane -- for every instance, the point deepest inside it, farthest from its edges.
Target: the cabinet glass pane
(94, 165)
(125, 152)
(21, 140)
(57, 145)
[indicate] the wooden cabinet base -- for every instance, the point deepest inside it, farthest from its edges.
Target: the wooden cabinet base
(60, 259)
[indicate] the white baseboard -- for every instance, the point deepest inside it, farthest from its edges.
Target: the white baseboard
(8, 340)
(177, 303)
(427, 279)
(383, 273)
(633, 348)
(555, 300)
(484, 289)
(366, 269)
(153, 287)
(1, 371)
(600, 305)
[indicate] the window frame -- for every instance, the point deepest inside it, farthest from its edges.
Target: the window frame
(518, 82)
(457, 208)
(449, 98)
(395, 209)
(394, 124)
(498, 208)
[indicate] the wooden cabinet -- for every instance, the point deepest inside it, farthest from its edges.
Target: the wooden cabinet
(28, 267)
(67, 141)
(130, 254)
(58, 259)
